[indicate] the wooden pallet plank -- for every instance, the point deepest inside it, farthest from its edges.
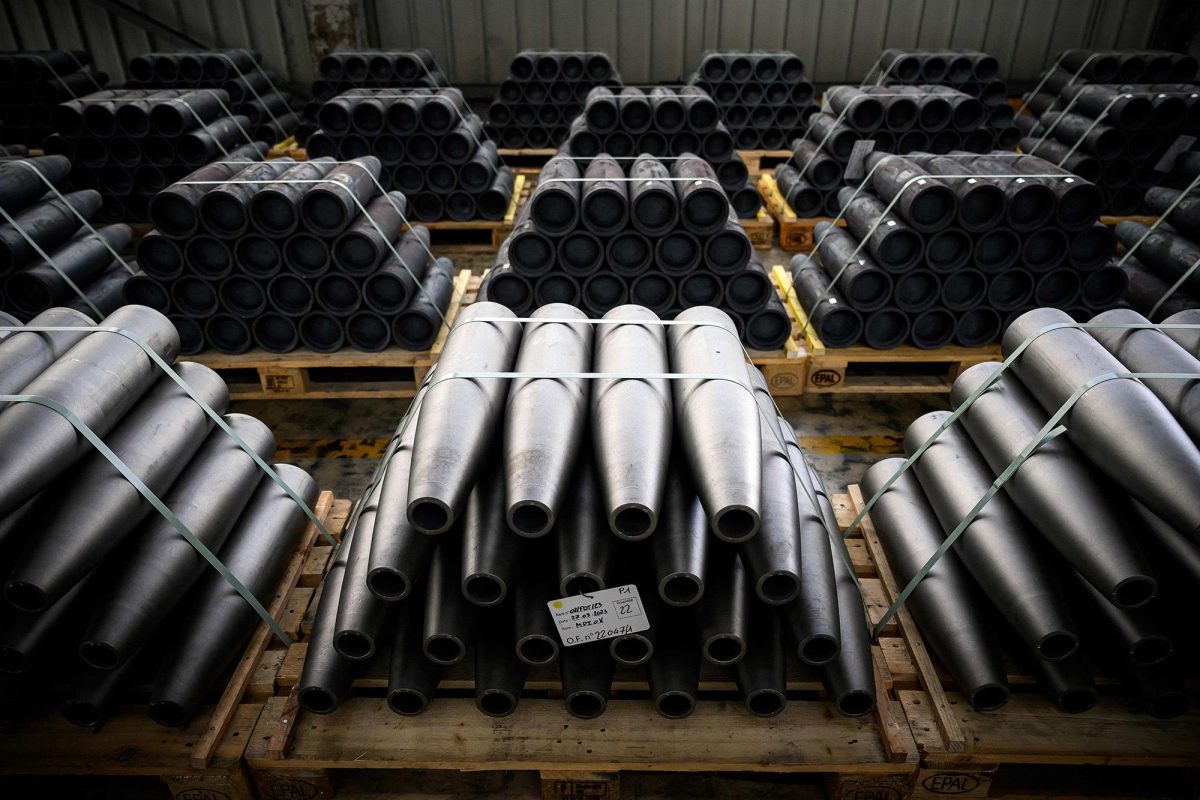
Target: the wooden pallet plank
(953, 738)
(1030, 730)
(630, 735)
(795, 233)
(242, 674)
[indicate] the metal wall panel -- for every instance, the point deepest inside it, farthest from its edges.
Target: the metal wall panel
(651, 40)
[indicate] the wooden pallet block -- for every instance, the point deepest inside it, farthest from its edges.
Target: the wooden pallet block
(203, 760)
(526, 157)
(296, 754)
(306, 375)
(288, 148)
(759, 160)
(761, 229)
(795, 233)
(963, 750)
(865, 370)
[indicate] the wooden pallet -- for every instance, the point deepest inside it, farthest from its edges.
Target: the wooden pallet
(964, 751)
(296, 754)
(795, 233)
(203, 760)
(865, 370)
(345, 374)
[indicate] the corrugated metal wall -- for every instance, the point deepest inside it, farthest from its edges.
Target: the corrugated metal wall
(652, 40)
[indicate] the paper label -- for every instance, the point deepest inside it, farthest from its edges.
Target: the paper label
(1179, 146)
(605, 614)
(858, 156)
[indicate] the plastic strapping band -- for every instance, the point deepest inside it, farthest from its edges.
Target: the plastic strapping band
(1049, 431)
(224, 150)
(267, 78)
(221, 423)
(61, 82)
(428, 94)
(47, 259)
(1090, 128)
(1049, 72)
(83, 221)
(987, 383)
(836, 123)
(1161, 218)
(153, 500)
(362, 209)
(1174, 288)
(825, 295)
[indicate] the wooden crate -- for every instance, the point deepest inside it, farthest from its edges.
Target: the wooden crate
(795, 233)
(964, 752)
(203, 760)
(345, 374)
(296, 754)
(865, 370)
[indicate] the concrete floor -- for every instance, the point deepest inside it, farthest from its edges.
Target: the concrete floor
(340, 441)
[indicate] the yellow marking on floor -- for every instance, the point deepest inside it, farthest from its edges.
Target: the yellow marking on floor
(373, 448)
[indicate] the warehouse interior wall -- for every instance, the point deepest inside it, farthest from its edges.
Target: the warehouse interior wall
(653, 41)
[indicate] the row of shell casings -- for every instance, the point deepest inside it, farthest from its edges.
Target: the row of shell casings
(190, 67)
(386, 66)
(218, 139)
(748, 298)
(512, 92)
(42, 65)
(727, 94)
(928, 323)
(1101, 140)
(232, 313)
(951, 68)
(750, 67)
(568, 65)
(746, 291)
(323, 91)
(866, 287)
(241, 89)
(139, 113)
(387, 286)
(739, 116)
(189, 150)
(750, 138)
(515, 136)
(1162, 106)
(544, 114)
(924, 108)
(1126, 66)
(837, 139)
(661, 109)
(372, 240)
(731, 175)
(318, 331)
(454, 148)
(396, 111)
(716, 146)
